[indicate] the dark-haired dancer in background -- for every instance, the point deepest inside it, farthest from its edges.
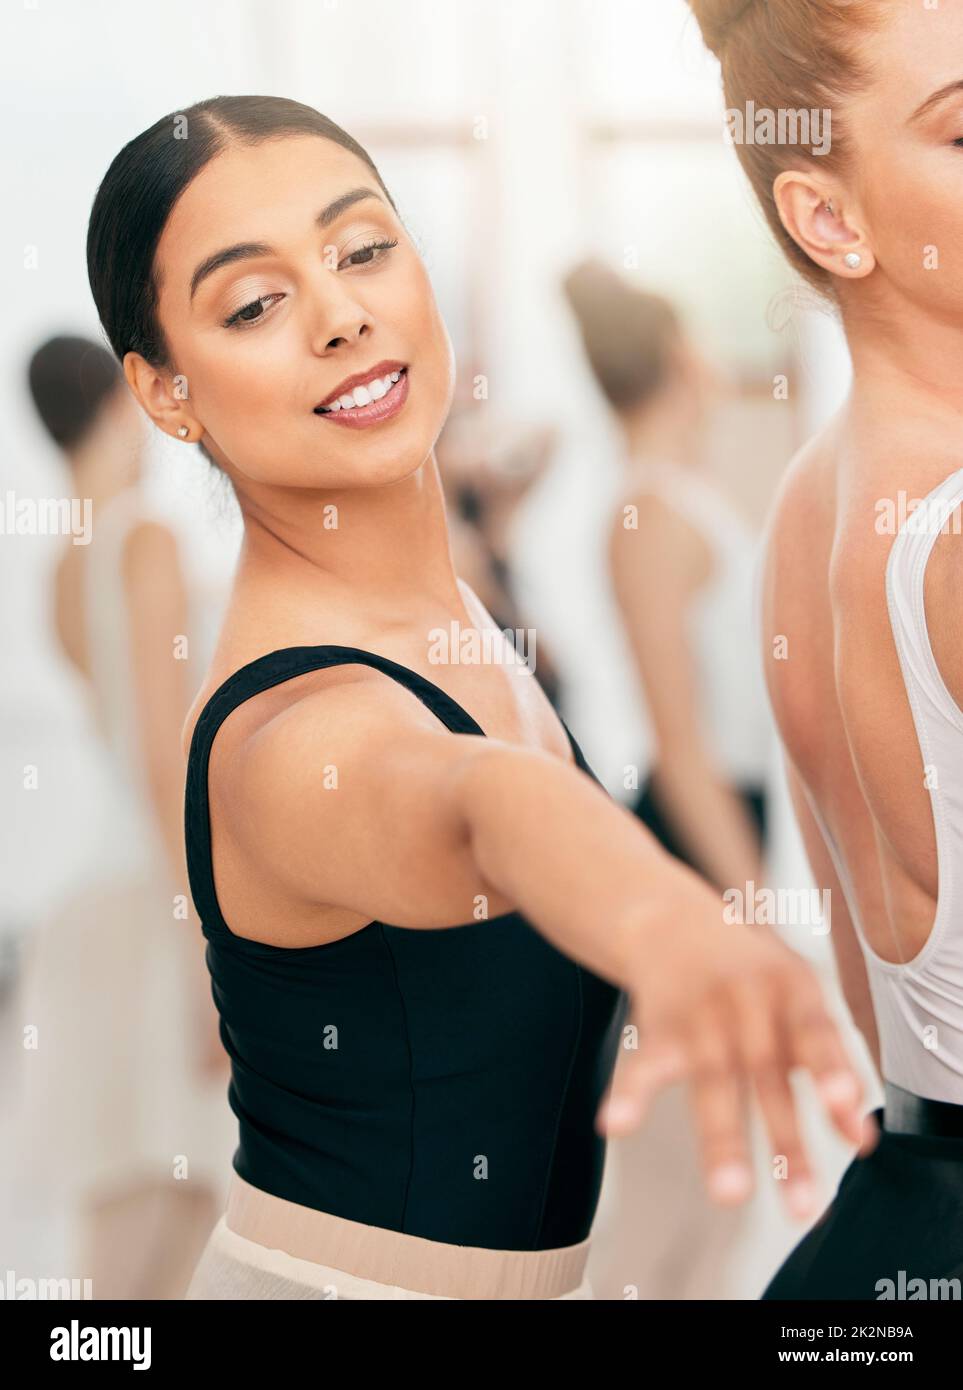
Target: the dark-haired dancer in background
(487, 473)
(682, 566)
(125, 1121)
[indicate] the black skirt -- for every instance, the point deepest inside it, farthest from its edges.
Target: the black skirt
(894, 1230)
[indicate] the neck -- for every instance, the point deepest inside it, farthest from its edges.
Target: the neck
(663, 431)
(913, 363)
(101, 466)
(378, 557)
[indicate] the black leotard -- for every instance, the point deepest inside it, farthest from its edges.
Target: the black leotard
(442, 1083)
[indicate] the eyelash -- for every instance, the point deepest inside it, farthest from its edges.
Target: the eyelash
(235, 320)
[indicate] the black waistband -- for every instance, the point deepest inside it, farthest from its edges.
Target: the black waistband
(905, 1113)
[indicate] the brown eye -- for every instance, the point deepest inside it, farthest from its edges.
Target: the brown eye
(373, 250)
(250, 313)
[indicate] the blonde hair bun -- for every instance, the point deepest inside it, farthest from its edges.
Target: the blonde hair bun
(716, 18)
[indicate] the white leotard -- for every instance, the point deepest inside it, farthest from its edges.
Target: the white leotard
(919, 1002)
(732, 701)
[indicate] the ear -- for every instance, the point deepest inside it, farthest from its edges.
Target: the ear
(154, 390)
(827, 236)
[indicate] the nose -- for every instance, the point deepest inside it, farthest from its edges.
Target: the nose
(337, 319)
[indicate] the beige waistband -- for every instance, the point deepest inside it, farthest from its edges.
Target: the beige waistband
(391, 1257)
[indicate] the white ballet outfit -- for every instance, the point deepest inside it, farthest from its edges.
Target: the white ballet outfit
(660, 1236)
(111, 1096)
(732, 701)
(919, 1002)
(897, 1217)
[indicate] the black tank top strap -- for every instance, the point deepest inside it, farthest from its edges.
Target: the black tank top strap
(261, 674)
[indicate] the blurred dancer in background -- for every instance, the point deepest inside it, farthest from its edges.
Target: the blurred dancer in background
(682, 566)
(126, 1118)
(487, 473)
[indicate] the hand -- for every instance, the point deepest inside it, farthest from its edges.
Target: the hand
(733, 1011)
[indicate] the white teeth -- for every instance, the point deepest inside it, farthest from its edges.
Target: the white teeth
(364, 395)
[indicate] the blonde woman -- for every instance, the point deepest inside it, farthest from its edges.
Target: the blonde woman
(862, 584)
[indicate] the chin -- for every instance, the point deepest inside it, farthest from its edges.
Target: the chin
(394, 468)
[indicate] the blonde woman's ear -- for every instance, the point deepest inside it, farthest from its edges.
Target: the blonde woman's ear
(816, 220)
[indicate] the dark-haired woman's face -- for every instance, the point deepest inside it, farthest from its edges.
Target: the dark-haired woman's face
(263, 340)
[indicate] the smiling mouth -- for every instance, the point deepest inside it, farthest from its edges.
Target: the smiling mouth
(361, 398)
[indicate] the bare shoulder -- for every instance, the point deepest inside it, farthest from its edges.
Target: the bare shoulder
(796, 615)
(334, 707)
(285, 715)
(805, 496)
(150, 546)
(335, 790)
(798, 538)
(641, 507)
(649, 536)
(342, 728)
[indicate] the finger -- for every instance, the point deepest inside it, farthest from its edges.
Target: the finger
(719, 1097)
(790, 1162)
(813, 1041)
(639, 1076)
(763, 1057)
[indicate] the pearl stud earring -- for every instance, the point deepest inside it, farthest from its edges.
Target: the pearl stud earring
(183, 431)
(853, 260)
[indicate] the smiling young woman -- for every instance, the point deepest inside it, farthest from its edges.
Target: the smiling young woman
(869, 701)
(424, 916)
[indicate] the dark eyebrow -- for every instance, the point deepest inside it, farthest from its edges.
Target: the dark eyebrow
(936, 98)
(247, 250)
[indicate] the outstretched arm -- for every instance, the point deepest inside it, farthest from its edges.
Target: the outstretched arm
(354, 797)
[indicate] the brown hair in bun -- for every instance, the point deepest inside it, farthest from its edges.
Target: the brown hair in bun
(628, 334)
